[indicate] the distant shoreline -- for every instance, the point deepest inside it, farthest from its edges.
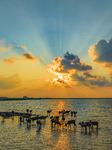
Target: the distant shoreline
(13, 99)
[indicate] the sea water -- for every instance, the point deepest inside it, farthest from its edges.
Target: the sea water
(16, 136)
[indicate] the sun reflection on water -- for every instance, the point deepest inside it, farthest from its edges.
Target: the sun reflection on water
(63, 142)
(61, 105)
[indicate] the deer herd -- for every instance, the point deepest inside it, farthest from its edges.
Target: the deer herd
(56, 121)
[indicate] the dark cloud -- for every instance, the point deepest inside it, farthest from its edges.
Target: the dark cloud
(69, 56)
(10, 82)
(90, 80)
(77, 77)
(69, 62)
(88, 75)
(102, 51)
(100, 81)
(28, 56)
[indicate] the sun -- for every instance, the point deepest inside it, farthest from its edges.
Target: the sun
(60, 77)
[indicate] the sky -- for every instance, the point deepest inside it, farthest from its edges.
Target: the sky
(56, 48)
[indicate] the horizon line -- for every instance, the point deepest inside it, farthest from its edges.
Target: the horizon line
(39, 98)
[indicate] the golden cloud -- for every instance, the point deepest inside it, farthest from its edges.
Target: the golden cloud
(67, 64)
(29, 56)
(10, 82)
(59, 82)
(26, 56)
(42, 58)
(4, 49)
(24, 47)
(10, 60)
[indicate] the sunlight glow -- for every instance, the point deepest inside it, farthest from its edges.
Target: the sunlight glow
(60, 77)
(54, 79)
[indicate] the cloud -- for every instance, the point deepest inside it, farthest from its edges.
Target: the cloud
(46, 79)
(56, 66)
(101, 81)
(71, 61)
(59, 82)
(90, 80)
(66, 64)
(101, 51)
(23, 47)
(17, 48)
(42, 58)
(79, 79)
(20, 49)
(29, 56)
(10, 60)
(4, 49)
(70, 65)
(26, 56)
(10, 82)
(69, 56)
(88, 75)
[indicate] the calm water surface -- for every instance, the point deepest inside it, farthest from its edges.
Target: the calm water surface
(14, 136)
